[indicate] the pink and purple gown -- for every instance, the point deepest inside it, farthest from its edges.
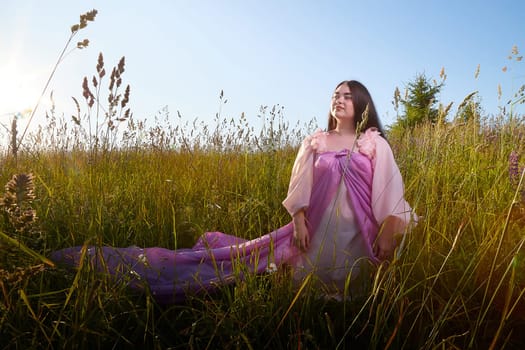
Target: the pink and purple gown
(345, 194)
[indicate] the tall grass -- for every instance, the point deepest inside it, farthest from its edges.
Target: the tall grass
(457, 284)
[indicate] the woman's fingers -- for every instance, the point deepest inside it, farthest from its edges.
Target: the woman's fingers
(384, 254)
(306, 241)
(301, 243)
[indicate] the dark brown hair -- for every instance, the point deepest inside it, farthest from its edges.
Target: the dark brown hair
(360, 98)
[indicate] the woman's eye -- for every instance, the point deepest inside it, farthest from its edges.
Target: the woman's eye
(345, 96)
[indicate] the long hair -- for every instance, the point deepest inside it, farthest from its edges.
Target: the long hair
(361, 99)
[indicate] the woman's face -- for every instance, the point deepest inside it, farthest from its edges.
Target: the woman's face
(342, 106)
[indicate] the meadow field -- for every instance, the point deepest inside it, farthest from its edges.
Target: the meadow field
(102, 177)
(459, 282)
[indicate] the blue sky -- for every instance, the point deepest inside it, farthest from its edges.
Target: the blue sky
(181, 54)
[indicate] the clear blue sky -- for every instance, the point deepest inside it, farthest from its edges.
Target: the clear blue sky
(181, 54)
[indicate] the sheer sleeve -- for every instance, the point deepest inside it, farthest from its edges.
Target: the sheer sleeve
(301, 180)
(387, 186)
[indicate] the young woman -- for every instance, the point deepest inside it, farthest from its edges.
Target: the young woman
(346, 194)
(346, 199)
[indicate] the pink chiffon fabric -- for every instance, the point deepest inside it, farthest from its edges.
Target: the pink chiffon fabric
(372, 188)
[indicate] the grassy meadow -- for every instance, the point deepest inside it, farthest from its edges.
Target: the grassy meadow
(459, 282)
(105, 178)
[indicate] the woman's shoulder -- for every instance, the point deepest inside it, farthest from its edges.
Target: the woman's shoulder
(316, 141)
(369, 141)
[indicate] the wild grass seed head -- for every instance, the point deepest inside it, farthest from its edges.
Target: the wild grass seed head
(17, 202)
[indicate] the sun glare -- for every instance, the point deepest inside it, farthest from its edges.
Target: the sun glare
(18, 91)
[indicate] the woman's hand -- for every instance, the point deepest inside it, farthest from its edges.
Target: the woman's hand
(385, 243)
(301, 236)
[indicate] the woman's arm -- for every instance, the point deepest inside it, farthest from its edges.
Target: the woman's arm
(301, 236)
(301, 180)
(300, 188)
(390, 208)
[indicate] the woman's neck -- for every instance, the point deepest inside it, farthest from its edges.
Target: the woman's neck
(345, 129)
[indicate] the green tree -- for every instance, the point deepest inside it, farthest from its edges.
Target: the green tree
(420, 101)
